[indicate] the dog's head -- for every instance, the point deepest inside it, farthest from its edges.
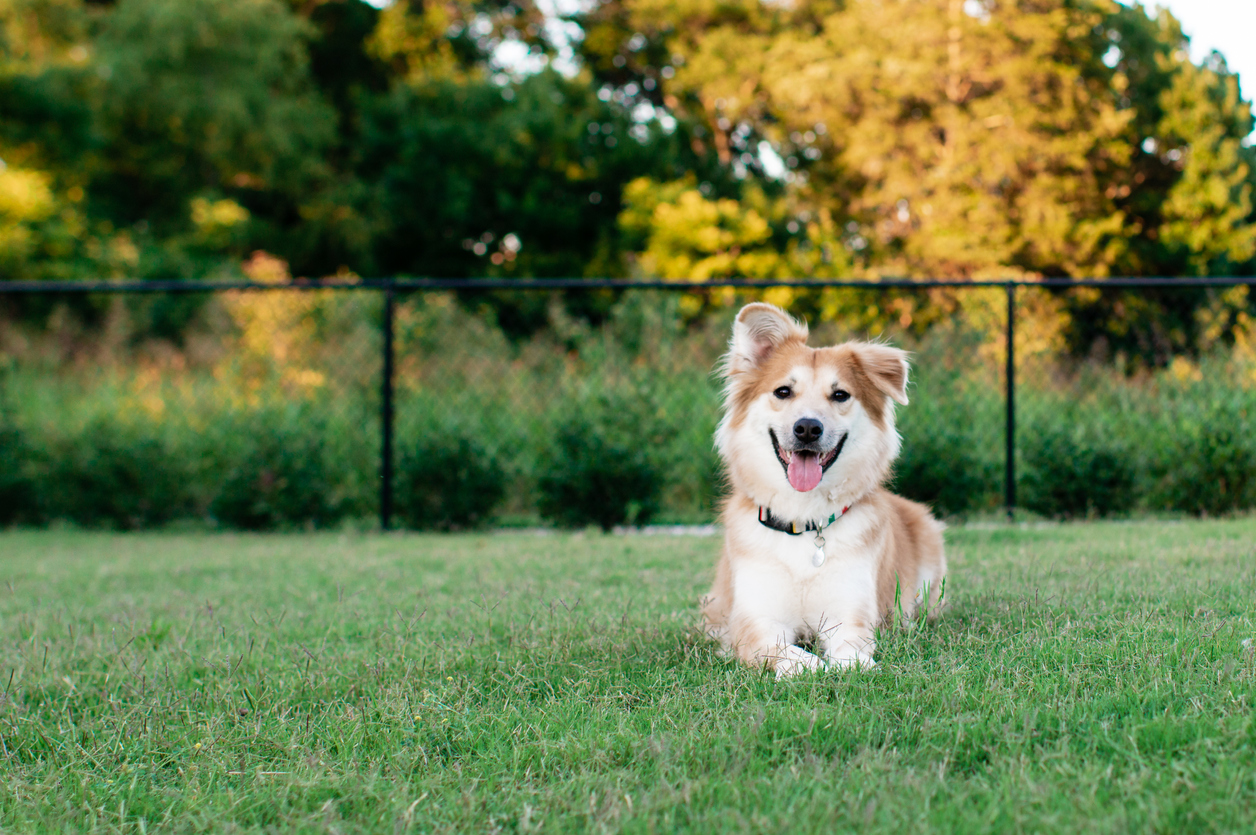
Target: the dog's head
(797, 418)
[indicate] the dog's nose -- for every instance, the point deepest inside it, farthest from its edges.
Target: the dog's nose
(808, 430)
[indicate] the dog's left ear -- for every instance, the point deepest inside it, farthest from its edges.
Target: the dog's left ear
(887, 369)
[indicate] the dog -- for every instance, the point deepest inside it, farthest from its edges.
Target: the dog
(816, 550)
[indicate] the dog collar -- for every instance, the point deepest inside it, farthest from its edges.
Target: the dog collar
(817, 559)
(792, 528)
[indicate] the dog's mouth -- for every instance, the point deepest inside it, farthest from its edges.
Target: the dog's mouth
(805, 467)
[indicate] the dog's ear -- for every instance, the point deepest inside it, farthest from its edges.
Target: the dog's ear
(759, 330)
(886, 368)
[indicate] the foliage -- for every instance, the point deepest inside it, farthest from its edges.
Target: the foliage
(326, 133)
(601, 468)
(1186, 193)
(447, 478)
(475, 178)
(117, 473)
(283, 474)
(1070, 469)
(153, 138)
(271, 418)
(17, 486)
(1207, 464)
(168, 134)
(422, 41)
(211, 96)
(685, 235)
(974, 139)
(944, 462)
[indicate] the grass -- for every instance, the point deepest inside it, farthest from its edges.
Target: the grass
(1088, 677)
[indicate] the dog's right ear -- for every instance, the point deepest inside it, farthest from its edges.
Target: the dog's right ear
(759, 330)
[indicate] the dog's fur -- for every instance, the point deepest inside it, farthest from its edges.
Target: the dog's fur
(883, 556)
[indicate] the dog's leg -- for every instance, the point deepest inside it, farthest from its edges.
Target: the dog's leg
(794, 660)
(715, 622)
(929, 602)
(763, 643)
(847, 645)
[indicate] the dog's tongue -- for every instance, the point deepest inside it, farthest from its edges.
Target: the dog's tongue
(804, 471)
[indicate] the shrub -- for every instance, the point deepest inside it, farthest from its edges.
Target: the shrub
(17, 494)
(684, 452)
(950, 460)
(17, 488)
(116, 473)
(446, 479)
(601, 468)
(1073, 468)
(941, 465)
(282, 474)
(1207, 463)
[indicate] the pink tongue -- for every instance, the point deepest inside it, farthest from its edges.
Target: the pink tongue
(804, 471)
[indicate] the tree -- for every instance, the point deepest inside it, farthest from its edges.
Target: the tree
(951, 138)
(1186, 195)
(207, 98)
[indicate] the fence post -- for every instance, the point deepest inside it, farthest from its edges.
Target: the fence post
(1010, 451)
(386, 416)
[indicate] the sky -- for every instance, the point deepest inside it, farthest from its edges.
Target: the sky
(1228, 26)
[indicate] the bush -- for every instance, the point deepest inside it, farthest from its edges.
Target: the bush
(950, 460)
(1072, 468)
(600, 469)
(941, 466)
(17, 488)
(446, 479)
(116, 473)
(1207, 463)
(282, 474)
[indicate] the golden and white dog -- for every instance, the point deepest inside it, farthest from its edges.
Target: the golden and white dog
(815, 549)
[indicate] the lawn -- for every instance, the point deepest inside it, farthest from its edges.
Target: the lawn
(1088, 677)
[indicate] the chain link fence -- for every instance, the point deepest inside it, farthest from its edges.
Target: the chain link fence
(454, 404)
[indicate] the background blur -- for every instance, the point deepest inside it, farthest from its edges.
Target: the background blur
(693, 140)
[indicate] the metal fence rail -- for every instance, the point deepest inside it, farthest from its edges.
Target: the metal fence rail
(391, 288)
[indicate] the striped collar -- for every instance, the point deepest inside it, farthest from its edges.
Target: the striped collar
(793, 528)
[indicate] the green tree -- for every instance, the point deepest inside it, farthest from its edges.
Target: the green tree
(479, 178)
(951, 138)
(169, 136)
(207, 98)
(1186, 194)
(45, 127)
(683, 234)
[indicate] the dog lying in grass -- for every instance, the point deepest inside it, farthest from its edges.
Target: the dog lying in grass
(815, 549)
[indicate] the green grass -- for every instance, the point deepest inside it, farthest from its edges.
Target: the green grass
(1088, 677)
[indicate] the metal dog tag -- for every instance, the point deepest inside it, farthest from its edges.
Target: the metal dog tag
(817, 559)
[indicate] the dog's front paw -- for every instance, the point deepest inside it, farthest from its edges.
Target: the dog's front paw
(854, 661)
(796, 660)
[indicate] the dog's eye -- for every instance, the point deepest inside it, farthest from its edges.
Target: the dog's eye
(841, 396)
(783, 393)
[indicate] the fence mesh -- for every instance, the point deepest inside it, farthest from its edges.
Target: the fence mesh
(264, 408)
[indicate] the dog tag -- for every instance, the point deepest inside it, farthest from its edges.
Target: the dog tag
(817, 559)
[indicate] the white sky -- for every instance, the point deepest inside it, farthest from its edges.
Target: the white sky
(1228, 26)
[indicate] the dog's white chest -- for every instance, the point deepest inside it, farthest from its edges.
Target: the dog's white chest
(803, 588)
